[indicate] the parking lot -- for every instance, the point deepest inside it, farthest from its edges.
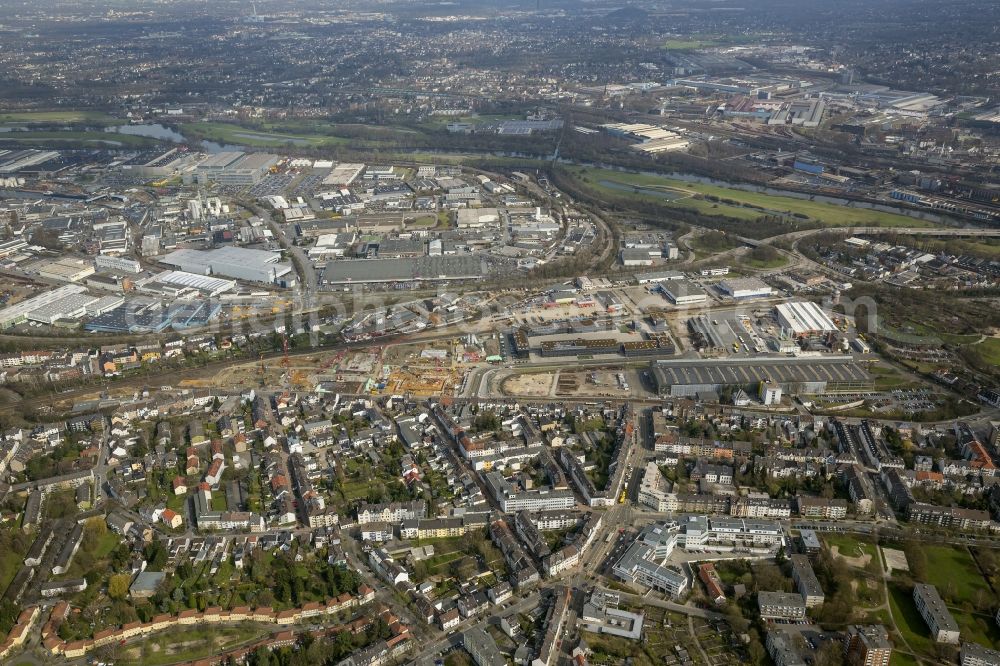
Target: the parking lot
(308, 185)
(273, 184)
(905, 400)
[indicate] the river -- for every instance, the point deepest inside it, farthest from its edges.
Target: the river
(153, 131)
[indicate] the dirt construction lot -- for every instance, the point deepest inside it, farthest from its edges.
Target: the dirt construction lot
(538, 385)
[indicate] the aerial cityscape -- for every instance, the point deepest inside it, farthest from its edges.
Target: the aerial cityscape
(467, 333)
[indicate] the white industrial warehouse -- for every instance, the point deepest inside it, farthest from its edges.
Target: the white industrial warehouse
(65, 303)
(802, 318)
(234, 262)
(18, 313)
(207, 285)
(743, 288)
(682, 292)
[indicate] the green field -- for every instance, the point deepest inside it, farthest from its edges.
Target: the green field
(908, 621)
(38, 117)
(712, 243)
(353, 490)
(745, 205)
(978, 627)
(958, 339)
(426, 222)
(82, 137)
(920, 328)
(445, 550)
(688, 44)
(990, 349)
(953, 571)
(301, 133)
(762, 264)
(848, 546)
(475, 118)
(10, 564)
(900, 659)
(95, 549)
(887, 379)
(234, 134)
(105, 544)
(880, 616)
(704, 41)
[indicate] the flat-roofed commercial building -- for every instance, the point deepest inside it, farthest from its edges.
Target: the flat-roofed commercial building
(682, 292)
(66, 269)
(579, 346)
(944, 628)
(416, 269)
(234, 262)
(828, 374)
(658, 276)
(206, 284)
(651, 138)
(601, 615)
(73, 306)
(14, 161)
(477, 218)
(235, 168)
(104, 304)
(640, 565)
(744, 288)
(157, 164)
(104, 262)
(804, 112)
(18, 313)
(343, 174)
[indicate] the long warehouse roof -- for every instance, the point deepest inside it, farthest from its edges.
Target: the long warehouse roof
(195, 281)
(804, 317)
(403, 270)
(688, 372)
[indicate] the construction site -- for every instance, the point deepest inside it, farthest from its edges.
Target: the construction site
(421, 381)
(431, 369)
(422, 370)
(348, 372)
(598, 383)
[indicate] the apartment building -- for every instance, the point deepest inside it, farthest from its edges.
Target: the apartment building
(974, 654)
(806, 581)
(781, 606)
(944, 628)
(819, 507)
(867, 645)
